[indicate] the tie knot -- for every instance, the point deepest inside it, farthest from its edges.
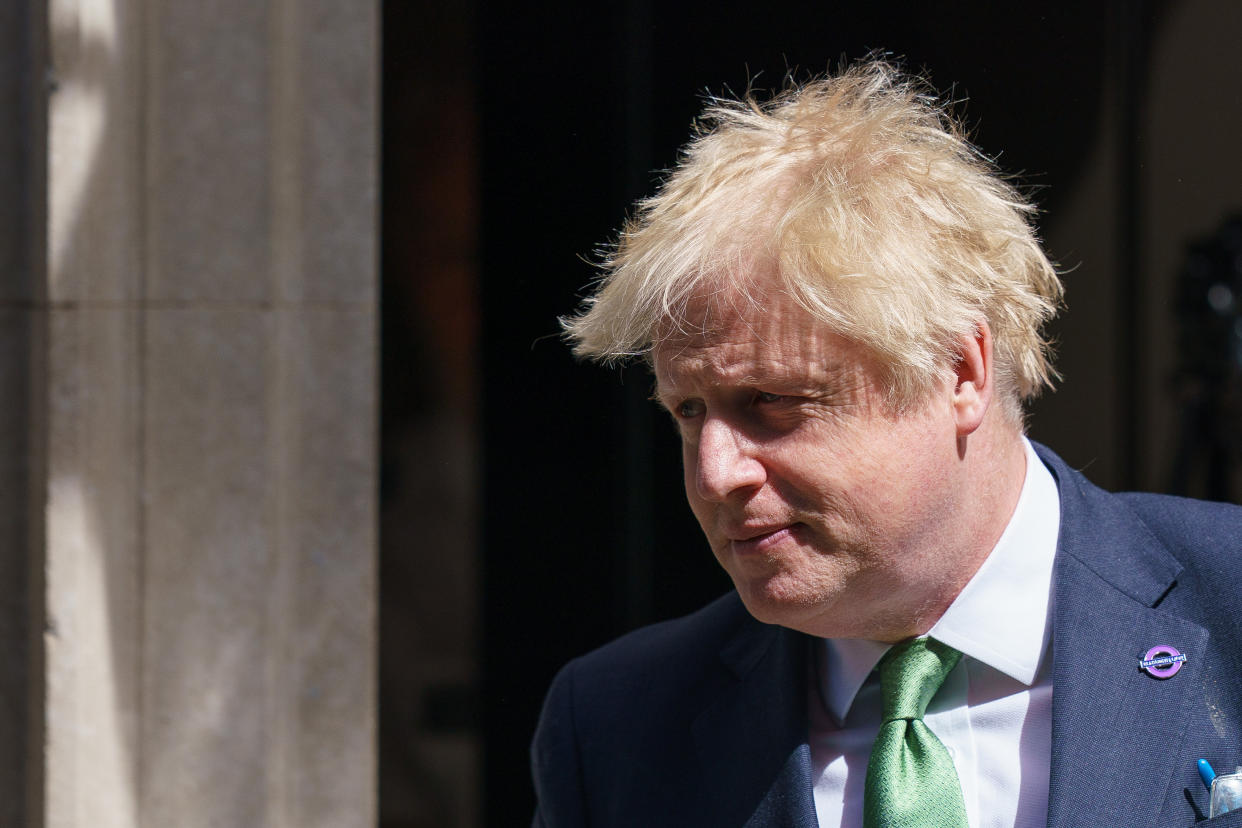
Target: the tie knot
(911, 673)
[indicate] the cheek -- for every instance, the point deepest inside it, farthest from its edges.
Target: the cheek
(856, 482)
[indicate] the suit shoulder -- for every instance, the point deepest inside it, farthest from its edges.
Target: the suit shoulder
(1206, 540)
(678, 643)
(621, 737)
(664, 666)
(1191, 532)
(1187, 526)
(609, 712)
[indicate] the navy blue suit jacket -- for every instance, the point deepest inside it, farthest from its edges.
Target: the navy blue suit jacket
(702, 721)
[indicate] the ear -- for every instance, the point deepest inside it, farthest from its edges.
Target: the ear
(973, 380)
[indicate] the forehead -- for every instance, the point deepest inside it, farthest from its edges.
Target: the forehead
(743, 336)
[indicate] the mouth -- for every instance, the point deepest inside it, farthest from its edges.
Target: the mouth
(756, 540)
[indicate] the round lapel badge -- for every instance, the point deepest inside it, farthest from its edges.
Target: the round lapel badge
(1162, 661)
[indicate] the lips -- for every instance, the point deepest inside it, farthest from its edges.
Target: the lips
(754, 539)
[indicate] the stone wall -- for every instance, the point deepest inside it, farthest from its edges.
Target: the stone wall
(197, 440)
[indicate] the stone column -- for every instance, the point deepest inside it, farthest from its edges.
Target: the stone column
(209, 502)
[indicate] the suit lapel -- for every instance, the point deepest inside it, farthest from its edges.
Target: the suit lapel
(751, 739)
(1116, 731)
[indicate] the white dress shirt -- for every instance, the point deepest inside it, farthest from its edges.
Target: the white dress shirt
(994, 711)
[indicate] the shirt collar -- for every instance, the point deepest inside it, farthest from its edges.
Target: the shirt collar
(1000, 617)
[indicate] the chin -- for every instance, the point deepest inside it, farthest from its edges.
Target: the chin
(772, 602)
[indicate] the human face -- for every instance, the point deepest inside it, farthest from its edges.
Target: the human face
(832, 513)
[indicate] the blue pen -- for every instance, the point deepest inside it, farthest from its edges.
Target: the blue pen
(1206, 773)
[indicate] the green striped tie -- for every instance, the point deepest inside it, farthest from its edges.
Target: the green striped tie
(911, 780)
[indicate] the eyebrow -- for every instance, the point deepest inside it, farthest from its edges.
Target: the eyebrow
(664, 401)
(777, 381)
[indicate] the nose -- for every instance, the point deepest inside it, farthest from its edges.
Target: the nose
(725, 462)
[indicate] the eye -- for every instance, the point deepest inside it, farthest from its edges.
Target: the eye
(688, 409)
(766, 397)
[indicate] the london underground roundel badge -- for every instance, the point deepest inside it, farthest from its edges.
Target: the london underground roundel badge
(1162, 661)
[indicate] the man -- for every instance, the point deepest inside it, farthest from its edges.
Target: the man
(935, 622)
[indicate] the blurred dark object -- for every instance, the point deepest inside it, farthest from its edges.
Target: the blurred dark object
(1208, 382)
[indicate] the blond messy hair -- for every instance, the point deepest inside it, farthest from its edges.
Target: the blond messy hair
(864, 198)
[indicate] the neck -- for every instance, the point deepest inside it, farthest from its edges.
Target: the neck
(993, 470)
